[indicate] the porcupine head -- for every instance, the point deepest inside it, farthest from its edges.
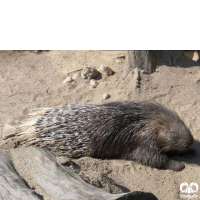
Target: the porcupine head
(173, 134)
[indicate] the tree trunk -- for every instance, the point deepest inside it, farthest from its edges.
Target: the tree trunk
(150, 60)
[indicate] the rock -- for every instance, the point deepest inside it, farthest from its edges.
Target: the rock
(12, 186)
(118, 61)
(68, 79)
(8, 131)
(106, 96)
(93, 83)
(40, 170)
(122, 56)
(75, 76)
(89, 73)
(105, 70)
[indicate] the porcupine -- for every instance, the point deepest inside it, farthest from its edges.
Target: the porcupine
(142, 131)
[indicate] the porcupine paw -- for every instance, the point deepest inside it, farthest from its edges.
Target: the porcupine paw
(175, 165)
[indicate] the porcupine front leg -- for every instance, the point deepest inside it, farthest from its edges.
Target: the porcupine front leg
(174, 165)
(155, 159)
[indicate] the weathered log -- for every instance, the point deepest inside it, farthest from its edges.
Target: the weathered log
(12, 186)
(40, 170)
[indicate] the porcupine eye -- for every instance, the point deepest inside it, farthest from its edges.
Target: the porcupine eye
(184, 144)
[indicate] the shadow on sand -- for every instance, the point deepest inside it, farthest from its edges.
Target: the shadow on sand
(191, 159)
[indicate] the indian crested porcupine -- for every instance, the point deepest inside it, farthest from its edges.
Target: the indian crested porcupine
(143, 131)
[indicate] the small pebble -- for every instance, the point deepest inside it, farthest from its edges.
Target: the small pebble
(121, 56)
(68, 79)
(106, 96)
(118, 61)
(103, 69)
(75, 76)
(93, 83)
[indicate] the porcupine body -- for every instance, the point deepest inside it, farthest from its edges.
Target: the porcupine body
(143, 131)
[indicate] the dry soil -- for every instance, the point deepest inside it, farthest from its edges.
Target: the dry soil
(30, 80)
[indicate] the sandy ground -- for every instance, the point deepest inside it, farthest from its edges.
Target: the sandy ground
(30, 80)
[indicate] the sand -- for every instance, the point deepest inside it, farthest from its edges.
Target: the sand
(29, 80)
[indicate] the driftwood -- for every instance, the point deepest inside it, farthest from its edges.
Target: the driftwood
(150, 60)
(45, 179)
(12, 186)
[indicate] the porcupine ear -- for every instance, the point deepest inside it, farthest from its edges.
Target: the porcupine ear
(108, 139)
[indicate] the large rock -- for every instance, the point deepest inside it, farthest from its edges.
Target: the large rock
(12, 186)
